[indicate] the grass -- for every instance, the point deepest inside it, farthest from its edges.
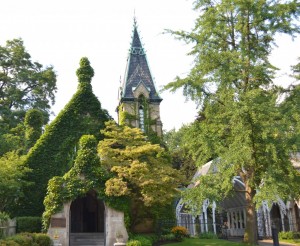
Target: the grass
(293, 241)
(205, 242)
(216, 242)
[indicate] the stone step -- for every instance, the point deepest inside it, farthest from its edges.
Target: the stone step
(86, 239)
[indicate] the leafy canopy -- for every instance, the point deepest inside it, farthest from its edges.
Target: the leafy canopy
(141, 170)
(12, 172)
(24, 84)
(240, 120)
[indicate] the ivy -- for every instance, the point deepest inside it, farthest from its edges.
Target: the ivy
(126, 118)
(54, 152)
(87, 174)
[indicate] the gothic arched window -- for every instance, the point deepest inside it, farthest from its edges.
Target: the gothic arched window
(141, 113)
(141, 118)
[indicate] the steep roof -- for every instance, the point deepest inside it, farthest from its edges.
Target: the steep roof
(137, 71)
(54, 151)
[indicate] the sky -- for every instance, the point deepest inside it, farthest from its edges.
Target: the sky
(60, 32)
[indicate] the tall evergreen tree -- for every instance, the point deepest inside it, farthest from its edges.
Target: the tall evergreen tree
(241, 121)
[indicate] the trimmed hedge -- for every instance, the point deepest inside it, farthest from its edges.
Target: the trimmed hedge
(29, 224)
(54, 152)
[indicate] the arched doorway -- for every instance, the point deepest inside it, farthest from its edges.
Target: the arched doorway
(87, 214)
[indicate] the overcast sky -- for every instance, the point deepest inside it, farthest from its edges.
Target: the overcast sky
(60, 32)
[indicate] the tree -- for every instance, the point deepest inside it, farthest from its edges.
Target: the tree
(141, 170)
(182, 159)
(240, 121)
(12, 173)
(24, 84)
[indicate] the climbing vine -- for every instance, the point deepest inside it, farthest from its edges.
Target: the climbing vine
(126, 118)
(86, 174)
(54, 152)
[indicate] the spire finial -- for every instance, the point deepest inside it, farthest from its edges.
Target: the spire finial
(134, 18)
(85, 72)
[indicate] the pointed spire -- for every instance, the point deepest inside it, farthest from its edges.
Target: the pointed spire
(137, 70)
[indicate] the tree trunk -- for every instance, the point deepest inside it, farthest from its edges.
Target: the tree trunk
(250, 235)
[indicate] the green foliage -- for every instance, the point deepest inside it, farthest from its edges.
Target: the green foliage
(54, 152)
(141, 170)
(240, 121)
(85, 72)
(296, 70)
(177, 143)
(13, 140)
(3, 217)
(24, 84)
(143, 240)
(12, 173)
(133, 243)
(87, 174)
(126, 118)
(29, 224)
(27, 239)
(208, 235)
(286, 235)
(23, 239)
(8, 243)
(167, 237)
(33, 122)
(42, 239)
(180, 232)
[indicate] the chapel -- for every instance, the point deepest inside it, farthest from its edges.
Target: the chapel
(86, 220)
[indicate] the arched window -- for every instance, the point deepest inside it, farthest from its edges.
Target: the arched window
(141, 118)
(141, 112)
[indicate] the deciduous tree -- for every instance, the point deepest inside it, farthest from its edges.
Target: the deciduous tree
(241, 122)
(142, 170)
(12, 172)
(24, 84)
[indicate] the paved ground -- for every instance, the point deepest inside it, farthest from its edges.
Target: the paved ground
(270, 243)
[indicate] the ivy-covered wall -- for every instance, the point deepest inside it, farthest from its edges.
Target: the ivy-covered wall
(86, 174)
(128, 115)
(54, 152)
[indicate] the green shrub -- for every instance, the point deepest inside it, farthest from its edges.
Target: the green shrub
(4, 216)
(23, 239)
(167, 237)
(296, 235)
(286, 235)
(27, 239)
(8, 243)
(208, 235)
(144, 240)
(180, 232)
(133, 243)
(29, 224)
(42, 239)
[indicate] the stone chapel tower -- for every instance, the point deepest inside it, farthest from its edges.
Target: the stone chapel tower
(139, 99)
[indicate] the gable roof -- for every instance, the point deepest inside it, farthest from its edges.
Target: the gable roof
(137, 71)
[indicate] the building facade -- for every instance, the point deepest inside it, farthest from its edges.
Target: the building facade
(228, 218)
